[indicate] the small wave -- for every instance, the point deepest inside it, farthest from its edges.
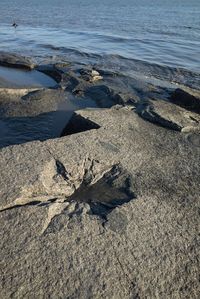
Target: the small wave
(158, 71)
(114, 38)
(70, 51)
(49, 46)
(117, 62)
(191, 27)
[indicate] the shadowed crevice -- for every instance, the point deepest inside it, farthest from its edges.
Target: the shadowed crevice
(38, 203)
(61, 170)
(31, 203)
(79, 124)
(185, 100)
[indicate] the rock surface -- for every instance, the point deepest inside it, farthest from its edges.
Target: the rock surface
(27, 115)
(31, 103)
(111, 212)
(111, 208)
(16, 61)
(168, 115)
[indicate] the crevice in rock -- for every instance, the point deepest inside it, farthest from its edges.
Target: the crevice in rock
(61, 170)
(155, 118)
(193, 119)
(31, 203)
(78, 124)
(146, 111)
(48, 202)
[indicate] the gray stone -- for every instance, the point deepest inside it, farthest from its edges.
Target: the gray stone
(103, 95)
(16, 61)
(31, 104)
(111, 208)
(54, 245)
(167, 115)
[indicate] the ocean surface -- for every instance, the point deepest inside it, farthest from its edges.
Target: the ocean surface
(155, 40)
(150, 32)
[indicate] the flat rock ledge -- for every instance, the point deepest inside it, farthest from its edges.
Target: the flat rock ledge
(110, 210)
(16, 61)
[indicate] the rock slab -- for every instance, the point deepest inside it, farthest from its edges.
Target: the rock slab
(109, 212)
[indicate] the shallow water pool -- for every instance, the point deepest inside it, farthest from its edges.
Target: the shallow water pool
(17, 78)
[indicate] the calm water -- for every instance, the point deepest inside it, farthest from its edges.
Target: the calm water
(155, 31)
(22, 78)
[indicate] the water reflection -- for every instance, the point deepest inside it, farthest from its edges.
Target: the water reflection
(10, 77)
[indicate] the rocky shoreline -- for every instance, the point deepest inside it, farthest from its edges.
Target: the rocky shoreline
(108, 207)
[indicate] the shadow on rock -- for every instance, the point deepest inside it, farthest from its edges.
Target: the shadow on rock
(185, 100)
(112, 190)
(19, 130)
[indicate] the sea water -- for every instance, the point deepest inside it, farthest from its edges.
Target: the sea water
(165, 33)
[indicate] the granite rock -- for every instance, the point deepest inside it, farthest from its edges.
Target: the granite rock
(167, 115)
(109, 212)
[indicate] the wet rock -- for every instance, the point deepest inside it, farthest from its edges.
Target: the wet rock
(167, 115)
(31, 104)
(16, 61)
(52, 71)
(90, 75)
(62, 66)
(185, 100)
(103, 96)
(96, 78)
(70, 82)
(127, 98)
(34, 116)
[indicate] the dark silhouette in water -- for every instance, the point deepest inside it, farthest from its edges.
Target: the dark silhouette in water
(14, 25)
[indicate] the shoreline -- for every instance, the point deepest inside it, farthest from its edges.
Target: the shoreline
(108, 207)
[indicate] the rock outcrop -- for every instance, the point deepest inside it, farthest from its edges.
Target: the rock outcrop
(168, 115)
(111, 212)
(31, 103)
(16, 61)
(109, 209)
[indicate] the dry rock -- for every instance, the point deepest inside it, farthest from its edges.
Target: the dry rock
(167, 115)
(109, 212)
